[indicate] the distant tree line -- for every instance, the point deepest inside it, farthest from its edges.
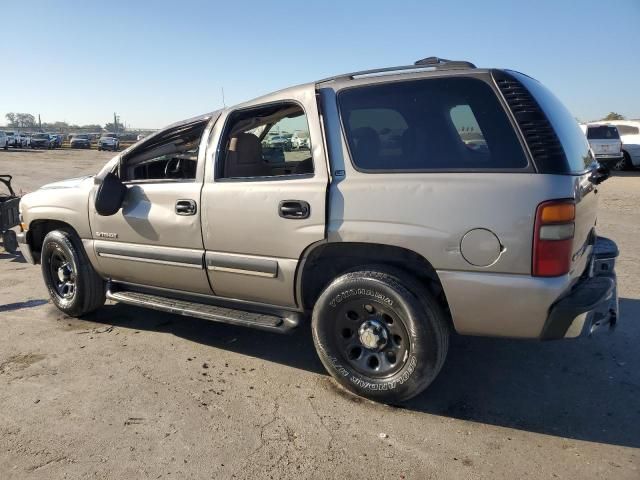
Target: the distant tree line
(26, 120)
(614, 116)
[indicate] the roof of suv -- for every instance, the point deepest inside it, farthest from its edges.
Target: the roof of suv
(424, 65)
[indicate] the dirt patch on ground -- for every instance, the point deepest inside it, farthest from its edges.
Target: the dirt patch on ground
(133, 393)
(20, 362)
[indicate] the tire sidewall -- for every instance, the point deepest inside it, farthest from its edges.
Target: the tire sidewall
(420, 366)
(58, 240)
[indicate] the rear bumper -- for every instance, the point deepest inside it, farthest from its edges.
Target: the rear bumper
(25, 249)
(523, 306)
(592, 302)
(609, 159)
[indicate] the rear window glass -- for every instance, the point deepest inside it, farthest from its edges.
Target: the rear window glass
(628, 130)
(432, 124)
(602, 132)
(572, 138)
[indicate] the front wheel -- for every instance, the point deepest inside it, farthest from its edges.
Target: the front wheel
(380, 334)
(73, 284)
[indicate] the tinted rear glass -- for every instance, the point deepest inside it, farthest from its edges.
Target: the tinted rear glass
(602, 132)
(432, 124)
(573, 140)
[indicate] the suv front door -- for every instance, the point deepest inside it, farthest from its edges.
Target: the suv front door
(263, 202)
(155, 239)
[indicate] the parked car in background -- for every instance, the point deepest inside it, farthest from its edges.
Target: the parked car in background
(629, 131)
(109, 141)
(55, 140)
(40, 140)
(11, 138)
(300, 140)
(22, 139)
(80, 140)
(4, 141)
(281, 141)
(605, 142)
(383, 249)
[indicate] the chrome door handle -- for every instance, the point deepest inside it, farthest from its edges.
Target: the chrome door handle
(186, 207)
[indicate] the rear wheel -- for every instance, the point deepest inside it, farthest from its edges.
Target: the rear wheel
(380, 333)
(73, 284)
(624, 163)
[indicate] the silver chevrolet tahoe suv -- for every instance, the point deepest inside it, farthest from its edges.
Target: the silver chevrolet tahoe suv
(435, 198)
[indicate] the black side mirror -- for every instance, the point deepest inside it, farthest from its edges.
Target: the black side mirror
(110, 195)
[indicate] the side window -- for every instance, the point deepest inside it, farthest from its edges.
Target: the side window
(628, 130)
(379, 128)
(270, 141)
(432, 124)
(172, 156)
(468, 129)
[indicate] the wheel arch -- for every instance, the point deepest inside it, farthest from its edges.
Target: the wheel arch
(628, 157)
(38, 229)
(324, 261)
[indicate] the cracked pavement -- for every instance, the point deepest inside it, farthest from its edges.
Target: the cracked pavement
(133, 393)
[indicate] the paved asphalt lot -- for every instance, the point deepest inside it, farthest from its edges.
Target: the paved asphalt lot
(131, 393)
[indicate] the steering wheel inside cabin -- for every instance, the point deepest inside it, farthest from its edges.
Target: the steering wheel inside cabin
(173, 167)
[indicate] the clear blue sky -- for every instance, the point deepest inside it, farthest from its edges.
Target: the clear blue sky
(80, 61)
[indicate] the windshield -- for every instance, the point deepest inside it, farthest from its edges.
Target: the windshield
(81, 137)
(41, 135)
(603, 132)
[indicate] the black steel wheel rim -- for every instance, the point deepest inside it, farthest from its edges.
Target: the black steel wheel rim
(372, 338)
(62, 275)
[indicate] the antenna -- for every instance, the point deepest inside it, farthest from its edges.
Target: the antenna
(224, 105)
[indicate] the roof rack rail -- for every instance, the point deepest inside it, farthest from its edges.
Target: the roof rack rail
(425, 64)
(436, 61)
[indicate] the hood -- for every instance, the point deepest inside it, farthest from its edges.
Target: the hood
(70, 183)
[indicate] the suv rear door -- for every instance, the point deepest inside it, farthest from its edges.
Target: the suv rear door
(263, 204)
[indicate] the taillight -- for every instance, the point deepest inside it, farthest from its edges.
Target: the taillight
(553, 238)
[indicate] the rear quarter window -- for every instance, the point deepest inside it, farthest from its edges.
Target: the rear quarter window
(436, 124)
(628, 130)
(573, 140)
